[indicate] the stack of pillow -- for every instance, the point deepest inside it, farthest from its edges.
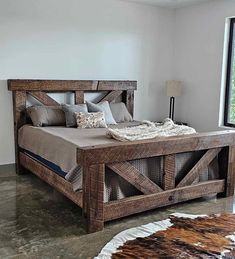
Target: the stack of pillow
(87, 115)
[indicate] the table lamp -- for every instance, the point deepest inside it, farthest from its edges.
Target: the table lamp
(173, 89)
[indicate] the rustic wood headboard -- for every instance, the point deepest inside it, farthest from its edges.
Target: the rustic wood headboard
(39, 89)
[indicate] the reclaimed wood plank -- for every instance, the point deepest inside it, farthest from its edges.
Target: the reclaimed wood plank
(200, 165)
(128, 99)
(51, 178)
(69, 85)
(110, 97)
(230, 179)
(134, 177)
(122, 151)
(79, 97)
(169, 172)
(43, 98)
(51, 85)
(93, 196)
(223, 165)
(117, 85)
(19, 112)
(140, 203)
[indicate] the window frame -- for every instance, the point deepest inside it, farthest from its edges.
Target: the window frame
(228, 74)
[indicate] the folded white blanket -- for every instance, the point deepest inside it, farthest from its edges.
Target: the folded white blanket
(149, 130)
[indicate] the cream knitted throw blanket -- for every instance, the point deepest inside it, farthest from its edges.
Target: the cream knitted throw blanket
(149, 130)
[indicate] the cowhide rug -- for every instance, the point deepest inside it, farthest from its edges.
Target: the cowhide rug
(180, 236)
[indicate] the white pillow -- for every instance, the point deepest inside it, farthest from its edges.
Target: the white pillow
(120, 112)
(102, 107)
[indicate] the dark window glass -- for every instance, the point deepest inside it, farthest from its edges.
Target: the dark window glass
(229, 111)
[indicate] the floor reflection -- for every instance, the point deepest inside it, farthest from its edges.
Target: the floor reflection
(38, 222)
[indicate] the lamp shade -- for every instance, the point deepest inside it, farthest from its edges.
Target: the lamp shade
(173, 88)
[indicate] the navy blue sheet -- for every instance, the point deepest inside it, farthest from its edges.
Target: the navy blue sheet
(47, 163)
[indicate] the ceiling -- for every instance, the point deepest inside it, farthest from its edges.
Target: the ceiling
(169, 3)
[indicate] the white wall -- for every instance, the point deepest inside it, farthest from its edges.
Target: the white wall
(198, 55)
(84, 39)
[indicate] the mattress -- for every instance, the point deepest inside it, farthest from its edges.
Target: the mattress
(53, 167)
(57, 146)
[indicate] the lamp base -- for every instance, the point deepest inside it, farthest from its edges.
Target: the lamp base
(172, 108)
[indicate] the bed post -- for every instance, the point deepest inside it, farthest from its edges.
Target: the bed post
(93, 196)
(230, 179)
(128, 99)
(19, 112)
(79, 97)
(227, 169)
(169, 172)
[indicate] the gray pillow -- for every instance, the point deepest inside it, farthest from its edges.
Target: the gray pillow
(70, 110)
(120, 112)
(102, 107)
(46, 116)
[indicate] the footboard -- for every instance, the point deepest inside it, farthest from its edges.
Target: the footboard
(94, 159)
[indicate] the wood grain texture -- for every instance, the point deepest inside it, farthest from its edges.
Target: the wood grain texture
(134, 177)
(230, 182)
(203, 237)
(56, 181)
(223, 165)
(117, 85)
(68, 85)
(94, 196)
(79, 97)
(19, 112)
(169, 172)
(128, 99)
(39, 88)
(43, 98)
(140, 203)
(51, 85)
(94, 158)
(122, 151)
(110, 97)
(200, 165)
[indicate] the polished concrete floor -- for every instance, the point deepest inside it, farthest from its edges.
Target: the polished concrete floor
(36, 222)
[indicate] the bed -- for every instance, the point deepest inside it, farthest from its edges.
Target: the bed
(209, 157)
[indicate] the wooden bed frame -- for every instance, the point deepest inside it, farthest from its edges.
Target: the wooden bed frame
(115, 156)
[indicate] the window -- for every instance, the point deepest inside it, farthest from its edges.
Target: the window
(229, 111)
